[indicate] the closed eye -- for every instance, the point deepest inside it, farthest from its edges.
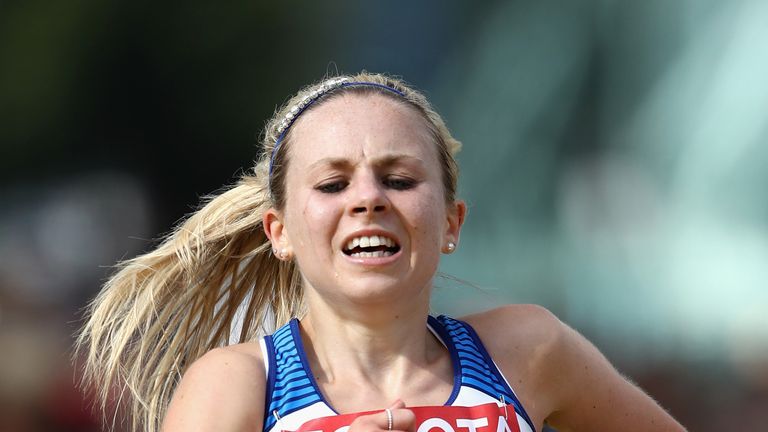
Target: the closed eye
(332, 187)
(400, 183)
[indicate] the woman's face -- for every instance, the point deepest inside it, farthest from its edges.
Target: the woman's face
(365, 215)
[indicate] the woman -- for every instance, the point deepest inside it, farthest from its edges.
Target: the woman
(342, 225)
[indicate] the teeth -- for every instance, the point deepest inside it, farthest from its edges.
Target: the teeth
(376, 254)
(370, 241)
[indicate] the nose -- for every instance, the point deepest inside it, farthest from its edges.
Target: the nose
(368, 197)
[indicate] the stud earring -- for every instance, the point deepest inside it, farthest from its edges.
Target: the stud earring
(280, 254)
(450, 247)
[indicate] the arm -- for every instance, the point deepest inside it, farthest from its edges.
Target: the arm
(222, 391)
(569, 384)
(592, 395)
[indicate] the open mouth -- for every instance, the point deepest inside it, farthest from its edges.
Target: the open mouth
(375, 246)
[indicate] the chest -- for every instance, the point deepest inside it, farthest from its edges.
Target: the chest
(423, 385)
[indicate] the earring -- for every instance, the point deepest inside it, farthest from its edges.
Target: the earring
(280, 254)
(450, 247)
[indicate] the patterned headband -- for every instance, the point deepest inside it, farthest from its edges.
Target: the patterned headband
(309, 99)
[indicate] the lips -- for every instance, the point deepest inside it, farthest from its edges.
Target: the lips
(371, 246)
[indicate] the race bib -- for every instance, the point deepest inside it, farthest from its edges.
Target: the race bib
(481, 418)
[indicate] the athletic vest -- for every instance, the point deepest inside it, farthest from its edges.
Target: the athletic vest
(293, 397)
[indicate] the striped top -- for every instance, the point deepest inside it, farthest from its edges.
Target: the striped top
(294, 397)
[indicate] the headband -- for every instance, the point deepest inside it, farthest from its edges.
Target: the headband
(309, 99)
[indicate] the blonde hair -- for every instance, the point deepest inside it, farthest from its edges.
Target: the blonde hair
(163, 310)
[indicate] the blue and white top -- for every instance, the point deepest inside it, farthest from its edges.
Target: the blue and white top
(293, 395)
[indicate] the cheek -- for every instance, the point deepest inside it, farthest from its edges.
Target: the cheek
(428, 222)
(318, 217)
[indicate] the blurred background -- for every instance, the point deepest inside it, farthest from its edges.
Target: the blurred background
(614, 164)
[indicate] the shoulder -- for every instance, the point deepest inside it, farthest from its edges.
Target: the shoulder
(223, 390)
(564, 377)
(523, 319)
(534, 332)
(242, 361)
(518, 329)
(531, 342)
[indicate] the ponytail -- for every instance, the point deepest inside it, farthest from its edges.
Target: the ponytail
(164, 309)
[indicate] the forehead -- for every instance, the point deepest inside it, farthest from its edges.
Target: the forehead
(354, 126)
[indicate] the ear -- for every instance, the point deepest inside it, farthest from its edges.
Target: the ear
(276, 231)
(455, 218)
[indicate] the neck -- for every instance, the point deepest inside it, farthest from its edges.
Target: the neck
(379, 346)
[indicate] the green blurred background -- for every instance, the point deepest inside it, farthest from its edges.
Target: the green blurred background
(614, 164)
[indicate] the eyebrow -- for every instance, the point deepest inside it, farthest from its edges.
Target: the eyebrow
(384, 161)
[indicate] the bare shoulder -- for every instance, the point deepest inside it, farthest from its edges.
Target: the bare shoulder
(243, 361)
(514, 333)
(521, 323)
(561, 377)
(223, 390)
